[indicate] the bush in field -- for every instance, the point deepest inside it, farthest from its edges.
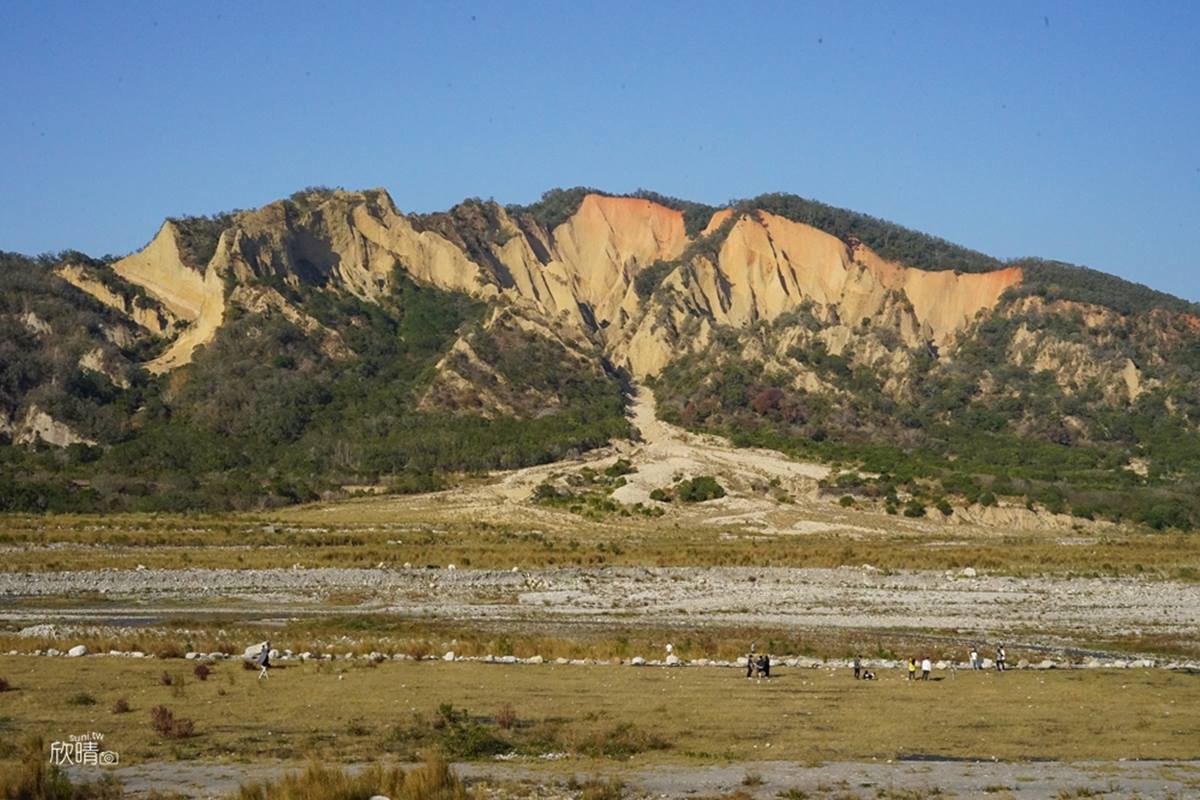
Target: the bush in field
(699, 489)
(506, 717)
(164, 722)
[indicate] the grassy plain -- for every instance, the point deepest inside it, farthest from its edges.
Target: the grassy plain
(351, 712)
(394, 532)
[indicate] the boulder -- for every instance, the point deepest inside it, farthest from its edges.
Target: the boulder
(53, 652)
(673, 661)
(191, 656)
(638, 661)
(449, 656)
(253, 650)
(77, 651)
(535, 660)
(967, 572)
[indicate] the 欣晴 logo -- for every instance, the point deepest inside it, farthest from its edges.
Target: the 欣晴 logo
(82, 751)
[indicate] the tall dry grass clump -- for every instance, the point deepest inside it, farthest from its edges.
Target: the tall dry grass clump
(433, 780)
(35, 778)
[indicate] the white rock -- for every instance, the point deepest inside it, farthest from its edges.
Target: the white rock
(967, 572)
(77, 651)
(53, 652)
(449, 656)
(673, 660)
(451, 567)
(560, 660)
(507, 659)
(253, 650)
(191, 656)
(638, 661)
(535, 660)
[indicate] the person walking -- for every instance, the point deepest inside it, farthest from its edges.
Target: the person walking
(974, 657)
(857, 667)
(1001, 659)
(926, 666)
(912, 669)
(264, 660)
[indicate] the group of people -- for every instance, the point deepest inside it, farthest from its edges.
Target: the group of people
(1001, 659)
(759, 665)
(861, 672)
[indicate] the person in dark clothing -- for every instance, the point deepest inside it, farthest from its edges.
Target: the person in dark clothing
(857, 667)
(750, 661)
(264, 660)
(764, 666)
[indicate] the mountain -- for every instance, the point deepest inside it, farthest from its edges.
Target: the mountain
(329, 340)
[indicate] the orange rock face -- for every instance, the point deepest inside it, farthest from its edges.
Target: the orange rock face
(581, 274)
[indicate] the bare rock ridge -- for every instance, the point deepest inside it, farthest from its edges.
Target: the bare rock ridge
(577, 280)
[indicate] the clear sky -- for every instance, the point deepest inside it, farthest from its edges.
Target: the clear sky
(1064, 130)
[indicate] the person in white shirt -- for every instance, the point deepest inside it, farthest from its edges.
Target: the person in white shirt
(974, 658)
(926, 668)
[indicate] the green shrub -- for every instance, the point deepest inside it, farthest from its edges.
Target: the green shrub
(699, 489)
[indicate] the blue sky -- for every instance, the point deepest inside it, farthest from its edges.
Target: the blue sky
(1064, 130)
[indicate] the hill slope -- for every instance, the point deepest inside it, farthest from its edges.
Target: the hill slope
(329, 340)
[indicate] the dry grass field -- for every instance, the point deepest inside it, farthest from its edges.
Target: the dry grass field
(419, 531)
(352, 712)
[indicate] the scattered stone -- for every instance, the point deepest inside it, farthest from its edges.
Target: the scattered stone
(38, 632)
(535, 660)
(967, 572)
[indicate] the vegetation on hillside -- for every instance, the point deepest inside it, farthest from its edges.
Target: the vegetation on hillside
(971, 428)
(263, 415)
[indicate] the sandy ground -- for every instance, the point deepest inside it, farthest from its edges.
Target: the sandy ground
(768, 492)
(1148, 779)
(860, 598)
